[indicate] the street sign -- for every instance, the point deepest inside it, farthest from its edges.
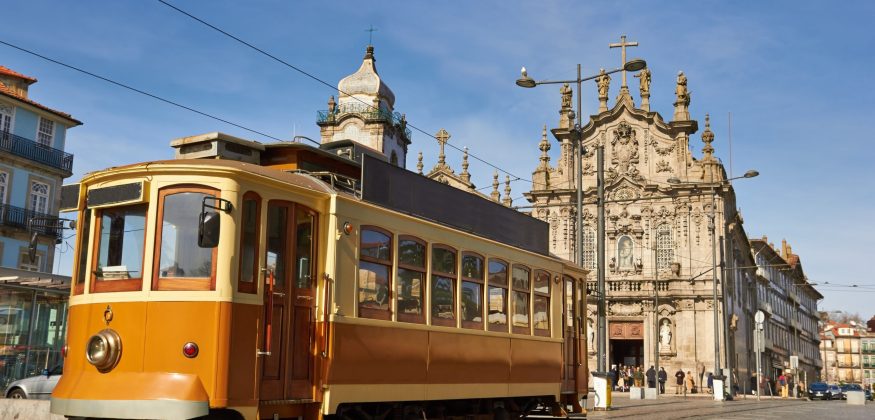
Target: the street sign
(794, 362)
(759, 317)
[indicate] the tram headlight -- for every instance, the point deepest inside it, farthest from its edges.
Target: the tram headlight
(104, 350)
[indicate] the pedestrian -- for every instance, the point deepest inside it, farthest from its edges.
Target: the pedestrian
(782, 385)
(639, 376)
(679, 382)
(651, 377)
(663, 376)
(710, 383)
(621, 384)
(615, 376)
(690, 384)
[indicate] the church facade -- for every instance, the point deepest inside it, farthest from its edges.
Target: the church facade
(659, 203)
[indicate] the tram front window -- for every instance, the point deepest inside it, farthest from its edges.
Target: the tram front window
(181, 257)
(121, 236)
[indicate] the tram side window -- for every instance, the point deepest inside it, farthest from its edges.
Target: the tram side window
(541, 303)
(181, 264)
(250, 215)
(411, 279)
(443, 286)
(121, 234)
(521, 282)
(497, 303)
(472, 291)
(375, 266)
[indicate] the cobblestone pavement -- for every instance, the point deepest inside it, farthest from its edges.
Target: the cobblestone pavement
(672, 407)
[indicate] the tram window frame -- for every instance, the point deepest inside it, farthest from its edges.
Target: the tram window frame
(478, 325)
(542, 296)
(249, 286)
(370, 312)
(527, 330)
(99, 285)
(504, 287)
(423, 280)
(81, 257)
(452, 277)
(160, 283)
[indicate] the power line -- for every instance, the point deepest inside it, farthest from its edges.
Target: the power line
(317, 79)
(131, 88)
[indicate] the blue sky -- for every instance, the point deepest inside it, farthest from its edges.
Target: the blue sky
(791, 73)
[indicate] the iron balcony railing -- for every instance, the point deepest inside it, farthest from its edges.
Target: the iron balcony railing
(36, 152)
(18, 217)
(366, 112)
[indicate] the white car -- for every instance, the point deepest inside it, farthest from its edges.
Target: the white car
(38, 387)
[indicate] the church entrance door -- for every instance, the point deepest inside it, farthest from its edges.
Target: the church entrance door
(627, 352)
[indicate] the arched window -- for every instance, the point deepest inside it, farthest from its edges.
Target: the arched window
(375, 264)
(589, 248)
(664, 247)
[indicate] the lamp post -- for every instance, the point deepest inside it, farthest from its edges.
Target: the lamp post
(527, 82)
(713, 229)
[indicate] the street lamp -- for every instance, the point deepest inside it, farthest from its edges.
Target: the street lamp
(712, 227)
(526, 81)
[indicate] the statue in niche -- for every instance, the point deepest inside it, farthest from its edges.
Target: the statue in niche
(624, 253)
(604, 83)
(590, 333)
(665, 333)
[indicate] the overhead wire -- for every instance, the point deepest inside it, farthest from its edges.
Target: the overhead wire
(321, 81)
(137, 90)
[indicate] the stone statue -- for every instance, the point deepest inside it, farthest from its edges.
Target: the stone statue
(566, 95)
(624, 251)
(644, 79)
(590, 333)
(665, 333)
(604, 82)
(683, 95)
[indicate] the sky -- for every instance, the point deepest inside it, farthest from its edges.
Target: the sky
(786, 71)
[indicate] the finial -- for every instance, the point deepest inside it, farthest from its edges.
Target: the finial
(507, 201)
(544, 145)
(495, 196)
(465, 175)
(369, 53)
(419, 164)
(707, 138)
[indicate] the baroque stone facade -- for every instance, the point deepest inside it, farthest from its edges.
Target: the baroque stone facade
(657, 237)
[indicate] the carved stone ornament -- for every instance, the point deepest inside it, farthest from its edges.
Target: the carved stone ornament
(626, 309)
(624, 154)
(663, 166)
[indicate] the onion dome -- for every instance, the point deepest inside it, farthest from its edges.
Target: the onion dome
(366, 82)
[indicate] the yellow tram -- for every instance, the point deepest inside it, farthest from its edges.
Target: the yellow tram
(240, 285)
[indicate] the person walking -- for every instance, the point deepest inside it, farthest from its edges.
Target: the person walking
(690, 384)
(710, 383)
(663, 376)
(782, 384)
(679, 382)
(621, 383)
(639, 376)
(651, 377)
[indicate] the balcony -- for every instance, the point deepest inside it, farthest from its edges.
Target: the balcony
(29, 149)
(17, 217)
(366, 112)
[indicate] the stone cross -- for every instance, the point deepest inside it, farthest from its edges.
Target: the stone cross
(442, 137)
(370, 32)
(622, 46)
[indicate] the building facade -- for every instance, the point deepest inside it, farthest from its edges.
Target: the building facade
(789, 303)
(849, 353)
(659, 282)
(33, 165)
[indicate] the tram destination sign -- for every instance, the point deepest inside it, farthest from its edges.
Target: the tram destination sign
(398, 189)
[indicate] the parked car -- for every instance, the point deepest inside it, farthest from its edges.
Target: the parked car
(38, 387)
(856, 387)
(819, 391)
(836, 392)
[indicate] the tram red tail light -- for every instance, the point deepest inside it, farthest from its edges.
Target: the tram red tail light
(190, 350)
(64, 351)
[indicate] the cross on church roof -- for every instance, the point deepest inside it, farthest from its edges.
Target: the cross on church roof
(622, 45)
(370, 32)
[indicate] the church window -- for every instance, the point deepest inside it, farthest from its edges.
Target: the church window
(664, 247)
(589, 248)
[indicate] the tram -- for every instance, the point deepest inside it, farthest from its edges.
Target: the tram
(253, 281)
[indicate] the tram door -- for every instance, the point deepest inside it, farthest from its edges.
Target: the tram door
(287, 372)
(574, 372)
